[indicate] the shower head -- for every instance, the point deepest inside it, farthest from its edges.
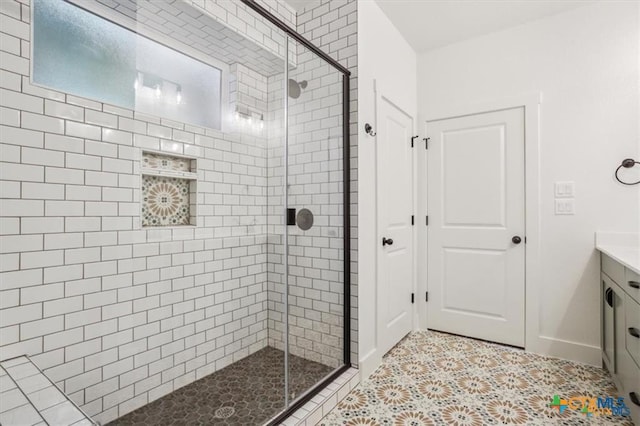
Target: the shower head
(295, 88)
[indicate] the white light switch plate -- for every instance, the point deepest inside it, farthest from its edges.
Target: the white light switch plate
(565, 206)
(565, 189)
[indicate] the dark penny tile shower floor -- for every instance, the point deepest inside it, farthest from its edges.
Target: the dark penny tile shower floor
(248, 392)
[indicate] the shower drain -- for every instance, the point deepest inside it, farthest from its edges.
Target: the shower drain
(225, 412)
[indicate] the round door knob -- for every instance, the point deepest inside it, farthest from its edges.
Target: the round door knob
(516, 240)
(387, 241)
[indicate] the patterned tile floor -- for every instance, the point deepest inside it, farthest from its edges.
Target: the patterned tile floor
(439, 379)
(248, 392)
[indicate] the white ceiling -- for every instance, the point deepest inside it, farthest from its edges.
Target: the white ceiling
(429, 24)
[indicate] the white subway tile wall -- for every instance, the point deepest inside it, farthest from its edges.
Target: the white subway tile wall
(118, 315)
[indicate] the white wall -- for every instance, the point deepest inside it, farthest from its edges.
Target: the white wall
(585, 64)
(383, 56)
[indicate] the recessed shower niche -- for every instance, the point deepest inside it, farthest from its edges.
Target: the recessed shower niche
(169, 190)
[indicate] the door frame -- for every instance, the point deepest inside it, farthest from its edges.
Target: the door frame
(531, 103)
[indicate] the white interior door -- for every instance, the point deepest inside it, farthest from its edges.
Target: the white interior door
(476, 250)
(395, 205)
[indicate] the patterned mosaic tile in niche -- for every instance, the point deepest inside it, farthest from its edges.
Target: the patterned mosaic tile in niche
(165, 201)
(165, 162)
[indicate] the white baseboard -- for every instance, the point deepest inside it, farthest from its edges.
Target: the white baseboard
(568, 350)
(369, 363)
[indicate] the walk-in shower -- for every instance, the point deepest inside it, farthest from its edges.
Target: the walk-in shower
(184, 207)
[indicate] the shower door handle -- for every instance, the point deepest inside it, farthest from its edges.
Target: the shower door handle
(386, 241)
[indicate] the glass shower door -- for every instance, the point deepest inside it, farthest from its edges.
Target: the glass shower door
(315, 229)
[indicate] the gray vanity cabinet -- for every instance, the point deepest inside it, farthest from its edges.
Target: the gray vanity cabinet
(621, 330)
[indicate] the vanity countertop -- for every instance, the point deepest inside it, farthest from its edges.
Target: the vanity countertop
(627, 256)
(622, 247)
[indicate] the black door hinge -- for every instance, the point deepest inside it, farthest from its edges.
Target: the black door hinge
(412, 138)
(413, 298)
(426, 143)
(426, 296)
(412, 220)
(427, 221)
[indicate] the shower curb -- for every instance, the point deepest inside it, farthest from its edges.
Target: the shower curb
(320, 405)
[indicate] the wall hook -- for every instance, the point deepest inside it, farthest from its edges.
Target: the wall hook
(369, 130)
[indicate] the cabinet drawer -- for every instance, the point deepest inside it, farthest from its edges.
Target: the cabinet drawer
(632, 323)
(612, 268)
(631, 281)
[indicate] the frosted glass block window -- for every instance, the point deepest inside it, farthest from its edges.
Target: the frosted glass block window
(77, 52)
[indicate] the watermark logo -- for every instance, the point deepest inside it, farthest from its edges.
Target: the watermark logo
(559, 404)
(591, 406)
